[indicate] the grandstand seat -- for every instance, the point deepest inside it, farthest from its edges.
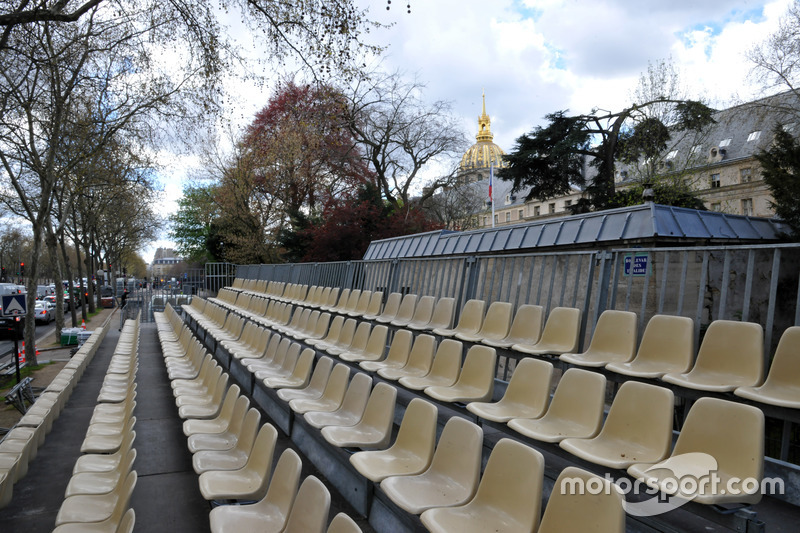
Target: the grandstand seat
(599, 510)
(452, 477)
(412, 450)
(732, 434)
(374, 429)
(374, 306)
(443, 314)
(730, 356)
(106, 443)
(309, 513)
(419, 362)
(343, 296)
(495, 325)
(576, 409)
(316, 384)
(372, 348)
(613, 341)
(398, 353)
(469, 322)
(288, 362)
(225, 439)
(667, 347)
(207, 407)
(249, 482)
(342, 523)
(390, 308)
(345, 338)
(508, 499)
(104, 462)
(320, 329)
(100, 482)
(475, 381)
(270, 513)
(422, 313)
(638, 428)
(85, 509)
(332, 335)
(236, 457)
(560, 334)
(526, 328)
(220, 422)
(443, 372)
(351, 409)
(526, 396)
(361, 305)
(404, 311)
(332, 395)
(782, 386)
(273, 360)
(299, 376)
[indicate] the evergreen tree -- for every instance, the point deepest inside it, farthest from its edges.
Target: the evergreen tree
(781, 170)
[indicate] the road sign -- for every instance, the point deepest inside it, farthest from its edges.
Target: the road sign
(636, 264)
(14, 305)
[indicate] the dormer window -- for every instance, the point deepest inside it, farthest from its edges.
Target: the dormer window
(753, 136)
(672, 154)
(725, 142)
(696, 148)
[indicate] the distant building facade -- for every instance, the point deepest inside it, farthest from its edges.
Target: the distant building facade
(164, 261)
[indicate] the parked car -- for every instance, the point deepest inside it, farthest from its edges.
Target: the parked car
(44, 312)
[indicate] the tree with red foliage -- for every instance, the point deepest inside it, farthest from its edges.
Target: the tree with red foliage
(348, 225)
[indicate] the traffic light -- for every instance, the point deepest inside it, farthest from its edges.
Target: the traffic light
(22, 269)
(3, 274)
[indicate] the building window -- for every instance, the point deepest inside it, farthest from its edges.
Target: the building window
(715, 181)
(536, 211)
(567, 203)
(496, 219)
(747, 206)
(753, 136)
(508, 199)
(725, 142)
(552, 208)
(745, 174)
(672, 154)
(716, 207)
(521, 214)
(508, 216)
(485, 221)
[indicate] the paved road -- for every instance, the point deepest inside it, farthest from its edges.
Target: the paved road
(6, 345)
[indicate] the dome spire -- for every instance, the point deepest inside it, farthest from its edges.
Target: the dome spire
(484, 124)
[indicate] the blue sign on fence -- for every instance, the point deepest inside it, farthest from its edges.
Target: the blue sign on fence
(636, 265)
(14, 305)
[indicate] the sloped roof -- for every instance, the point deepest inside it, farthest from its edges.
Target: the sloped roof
(643, 222)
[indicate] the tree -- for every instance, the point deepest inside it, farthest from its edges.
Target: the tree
(191, 223)
(399, 133)
(551, 160)
(781, 171)
(776, 62)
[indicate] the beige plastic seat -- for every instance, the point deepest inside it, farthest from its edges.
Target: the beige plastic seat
(352, 408)
(309, 513)
(495, 325)
(288, 362)
(476, 380)
(599, 510)
(374, 305)
(249, 482)
(412, 450)
(445, 369)
(419, 362)
(266, 359)
(374, 430)
(236, 457)
(275, 363)
(732, 434)
(390, 308)
(320, 328)
(345, 338)
(444, 313)
(203, 386)
(220, 422)
(361, 305)
(85, 509)
(526, 328)
(469, 322)
(100, 482)
(332, 395)
(613, 341)
(222, 440)
(104, 462)
(106, 443)
(526, 396)
(352, 302)
(398, 353)
(422, 312)
(667, 347)
(211, 398)
(730, 356)
(342, 523)
(372, 350)
(344, 295)
(638, 428)
(333, 333)
(316, 384)
(452, 477)
(508, 499)
(270, 513)
(560, 334)
(576, 409)
(299, 376)
(7, 474)
(782, 386)
(330, 302)
(404, 311)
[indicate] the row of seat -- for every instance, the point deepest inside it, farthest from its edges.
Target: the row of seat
(98, 494)
(20, 445)
(638, 430)
(412, 472)
(233, 452)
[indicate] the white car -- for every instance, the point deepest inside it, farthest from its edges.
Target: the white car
(44, 312)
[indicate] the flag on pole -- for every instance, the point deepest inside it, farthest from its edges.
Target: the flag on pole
(491, 179)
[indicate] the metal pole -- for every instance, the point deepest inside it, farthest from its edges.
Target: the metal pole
(16, 347)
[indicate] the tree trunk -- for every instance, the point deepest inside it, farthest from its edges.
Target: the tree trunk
(81, 295)
(89, 259)
(70, 286)
(52, 246)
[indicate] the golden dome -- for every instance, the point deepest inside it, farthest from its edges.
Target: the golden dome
(483, 153)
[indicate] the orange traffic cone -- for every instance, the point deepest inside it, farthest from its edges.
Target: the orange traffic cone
(83, 325)
(21, 354)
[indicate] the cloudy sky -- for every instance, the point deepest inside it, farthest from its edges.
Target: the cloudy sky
(533, 57)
